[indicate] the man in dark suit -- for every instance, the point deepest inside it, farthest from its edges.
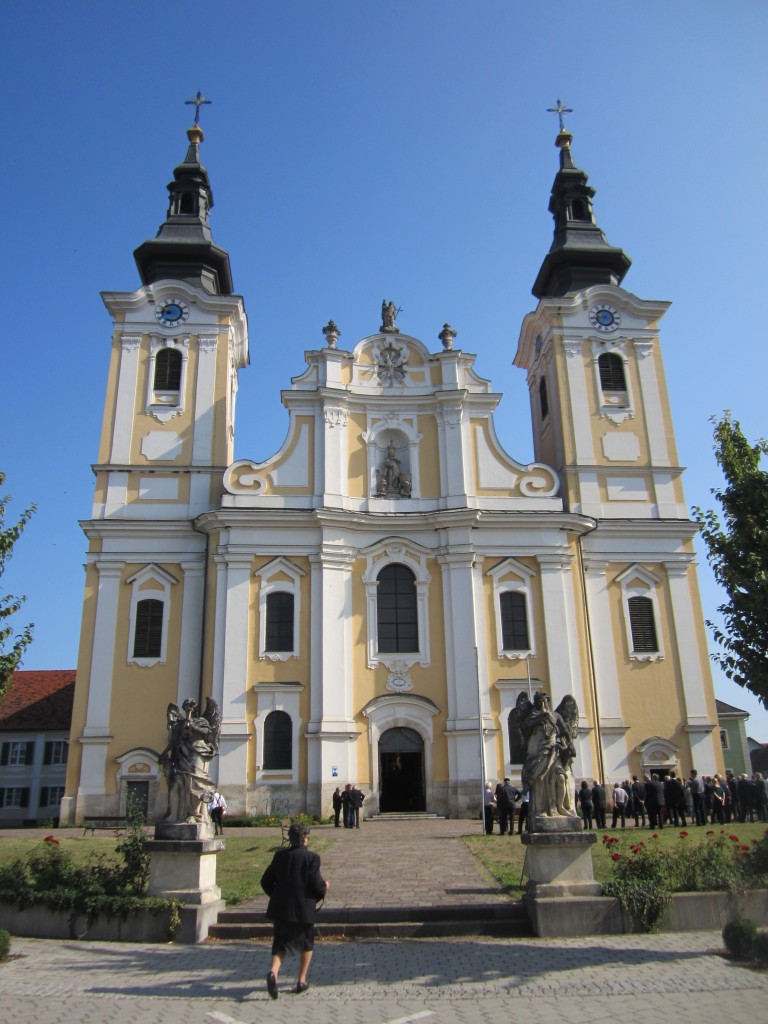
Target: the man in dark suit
(294, 885)
(654, 801)
(598, 803)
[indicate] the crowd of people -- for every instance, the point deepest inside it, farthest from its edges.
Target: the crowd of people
(654, 801)
(657, 800)
(348, 804)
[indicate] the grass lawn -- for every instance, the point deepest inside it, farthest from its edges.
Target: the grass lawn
(239, 866)
(503, 857)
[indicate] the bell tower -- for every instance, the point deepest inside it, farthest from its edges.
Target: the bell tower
(167, 437)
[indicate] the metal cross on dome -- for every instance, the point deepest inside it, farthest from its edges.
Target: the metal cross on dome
(560, 109)
(200, 101)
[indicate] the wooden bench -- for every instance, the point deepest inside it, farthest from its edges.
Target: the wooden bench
(101, 824)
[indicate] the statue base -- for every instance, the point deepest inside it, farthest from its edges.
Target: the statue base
(183, 867)
(558, 861)
(557, 824)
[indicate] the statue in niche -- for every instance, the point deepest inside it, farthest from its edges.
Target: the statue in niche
(390, 482)
(550, 744)
(193, 742)
(388, 316)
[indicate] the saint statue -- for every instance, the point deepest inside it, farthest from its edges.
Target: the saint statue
(388, 316)
(193, 742)
(550, 738)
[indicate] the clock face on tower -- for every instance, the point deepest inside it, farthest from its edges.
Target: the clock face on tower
(171, 313)
(604, 318)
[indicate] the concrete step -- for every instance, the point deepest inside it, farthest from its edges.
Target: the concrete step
(500, 919)
(405, 816)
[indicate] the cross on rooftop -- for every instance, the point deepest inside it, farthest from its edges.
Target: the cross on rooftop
(559, 109)
(200, 101)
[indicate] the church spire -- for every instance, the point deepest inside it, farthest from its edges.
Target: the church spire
(580, 255)
(183, 248)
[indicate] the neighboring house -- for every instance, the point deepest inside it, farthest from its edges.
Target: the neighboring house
(733, 737)
(35, 718)
(759, 759)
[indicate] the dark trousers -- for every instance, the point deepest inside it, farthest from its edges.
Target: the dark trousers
(505, 814)
(522, 817)
(217, 815)
(488, 815)
(656, 817)
(619, 811)
(599, 816)
(336, 814)
(699, 814)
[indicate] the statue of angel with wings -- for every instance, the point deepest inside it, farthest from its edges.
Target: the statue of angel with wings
(550, 744)
(193, 742)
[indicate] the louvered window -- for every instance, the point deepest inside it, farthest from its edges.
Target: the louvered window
(543, 400)
(279, 633)
(611, 369)
(514, 621)
(55, 752)
(278, 741)
(148, 640)
(168, 370)
(643, 625)
(397, 622)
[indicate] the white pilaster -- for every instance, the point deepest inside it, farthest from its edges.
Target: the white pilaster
(689, 652)
(651, 403)
(202, 445)
(191, 630)
(125, 402)
(231, 662)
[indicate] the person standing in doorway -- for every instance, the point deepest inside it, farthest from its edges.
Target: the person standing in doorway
(295, 886)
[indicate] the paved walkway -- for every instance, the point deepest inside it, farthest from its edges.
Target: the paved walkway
(680, 977)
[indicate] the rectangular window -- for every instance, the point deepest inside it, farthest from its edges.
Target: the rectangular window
(148, 640)
(56, 752)
(16, 753)
(14, 796)
(724, 739)
(514, 621)
(51, 796)
(643, 625)
(279, 631)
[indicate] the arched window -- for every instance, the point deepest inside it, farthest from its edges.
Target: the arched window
(514, 621)
(611, 369)
(148, 636)
(278, 741)
(279, 632)
(642, 624)
(168, 370)
(396, 615)
(543, 400)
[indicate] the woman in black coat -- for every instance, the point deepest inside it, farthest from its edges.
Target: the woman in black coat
(294, 885)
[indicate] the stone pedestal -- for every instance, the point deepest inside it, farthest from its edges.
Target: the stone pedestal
(558, 859)
(183, 867)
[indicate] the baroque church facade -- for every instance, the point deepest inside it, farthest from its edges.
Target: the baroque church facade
(368, 604)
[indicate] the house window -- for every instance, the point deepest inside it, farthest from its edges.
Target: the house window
(724, 740)
(611, 369)
(514, 621)
(17, 753)
(51, 796)
(56, 752)
(279, 634)
(278, 741)
(397, 620)
(168, 370)
(543, 400)
(14, 796)
(148, 638)
(642, 625)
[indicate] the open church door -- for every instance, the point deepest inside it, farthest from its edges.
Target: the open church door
(401, 771)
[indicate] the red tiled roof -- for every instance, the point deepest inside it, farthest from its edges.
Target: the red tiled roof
(38, 700)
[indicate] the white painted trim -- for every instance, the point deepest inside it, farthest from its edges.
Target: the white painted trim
(277, 697)
(163, 594)
(397, 552)
(269, 586)
(158, 403)
(626, 579)
(521, 585)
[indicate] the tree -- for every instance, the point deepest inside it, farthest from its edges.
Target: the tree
(10, 659)
(737, 550)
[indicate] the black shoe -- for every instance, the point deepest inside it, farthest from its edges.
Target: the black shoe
(272, 985)
(301, 986)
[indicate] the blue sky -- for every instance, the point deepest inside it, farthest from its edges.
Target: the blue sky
(361, 150)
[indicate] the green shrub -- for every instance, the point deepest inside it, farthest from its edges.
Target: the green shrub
(713, 866)
(641, 881)
(49, 877)
(755, 861)
(5, 943)
(739, 937)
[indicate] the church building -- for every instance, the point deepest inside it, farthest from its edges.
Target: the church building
(368, 604)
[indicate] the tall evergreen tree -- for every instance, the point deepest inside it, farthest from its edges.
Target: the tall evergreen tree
(737, 550)
(10, 659)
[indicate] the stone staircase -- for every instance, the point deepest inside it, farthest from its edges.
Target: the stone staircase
(492, 919)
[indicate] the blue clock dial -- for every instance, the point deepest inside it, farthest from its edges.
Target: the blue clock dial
(171, 313)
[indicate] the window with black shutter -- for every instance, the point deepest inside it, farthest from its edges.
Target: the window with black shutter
(148, 638)
(279, 631)
(643, 625)
(543, 400)
(278, 741)
(168, 370)
(514, 621)
(396, 613)
(611, 369)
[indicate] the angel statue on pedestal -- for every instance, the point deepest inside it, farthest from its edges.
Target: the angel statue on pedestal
(193, 742)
